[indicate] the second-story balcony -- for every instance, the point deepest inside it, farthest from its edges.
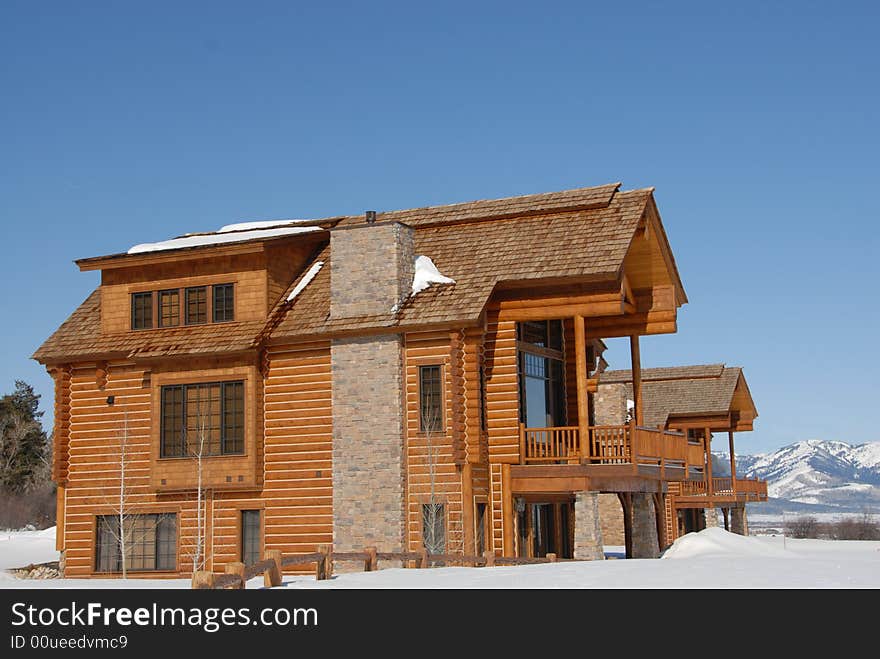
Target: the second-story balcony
(716, 491)
(613, 445)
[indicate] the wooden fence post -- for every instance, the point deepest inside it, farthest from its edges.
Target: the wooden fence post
(236, 568)
(272, 576)
(372, 562)
(490, 557)
(324, 569)
(423, 558)
(551, 558)
(202, 580)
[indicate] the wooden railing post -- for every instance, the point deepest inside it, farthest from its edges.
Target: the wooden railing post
(633, 446)
(236, 568)
(272, 576)
(490, 557)
(371, 564)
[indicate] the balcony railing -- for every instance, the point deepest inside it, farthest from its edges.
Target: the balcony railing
(750, 488)
(606, 445)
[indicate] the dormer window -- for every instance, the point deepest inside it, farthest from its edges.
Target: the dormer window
(224, 303)
(196, 305)
(142, 310)
(169, 308)
(172, 307)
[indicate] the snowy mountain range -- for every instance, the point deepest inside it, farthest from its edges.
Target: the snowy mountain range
(822, 476)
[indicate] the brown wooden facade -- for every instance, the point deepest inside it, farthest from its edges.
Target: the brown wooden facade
(506, 485)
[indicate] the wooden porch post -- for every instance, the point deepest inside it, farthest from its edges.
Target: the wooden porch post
(636, 361)
(626, 504)
(467, 509)
(732, 462)
(506, 513)
(710, 487)
(580, 350)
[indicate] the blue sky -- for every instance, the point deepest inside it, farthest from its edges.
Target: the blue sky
(756, 123)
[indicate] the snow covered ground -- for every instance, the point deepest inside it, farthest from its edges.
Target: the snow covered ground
(710, 559)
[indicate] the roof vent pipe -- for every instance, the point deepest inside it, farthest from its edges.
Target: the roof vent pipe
(370, 216)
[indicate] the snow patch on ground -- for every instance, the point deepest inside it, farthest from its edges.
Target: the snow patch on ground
(716, 541)
(711, 559)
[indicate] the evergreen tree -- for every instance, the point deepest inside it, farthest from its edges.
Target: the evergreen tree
(24, 447)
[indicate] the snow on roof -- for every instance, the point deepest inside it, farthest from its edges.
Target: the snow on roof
(316, 267)
(261, 224)
(426, 273)
(219, 238)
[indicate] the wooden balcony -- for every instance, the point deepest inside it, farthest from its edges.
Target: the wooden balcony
(723, 490)
(609, 445)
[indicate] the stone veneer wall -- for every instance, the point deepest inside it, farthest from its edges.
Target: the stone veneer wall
(372, 268)
(611, 520)
(587, 533)
(609, 405)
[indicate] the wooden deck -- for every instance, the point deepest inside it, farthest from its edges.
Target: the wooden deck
(699, 494)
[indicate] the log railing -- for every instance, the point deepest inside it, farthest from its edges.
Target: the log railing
(626, 444)
(748, 487)
(549, 445)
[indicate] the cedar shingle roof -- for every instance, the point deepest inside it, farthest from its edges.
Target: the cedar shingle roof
(581, 233)
(681, 390)
(80, 338)
(590, 242)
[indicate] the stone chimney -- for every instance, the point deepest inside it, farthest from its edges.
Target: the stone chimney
(371, 268)
(371, 273)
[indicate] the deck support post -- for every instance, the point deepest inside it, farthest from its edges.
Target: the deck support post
(732, 462)
(660, 514)
(738, 520)
(587, 531)
(626, 504)
(507, 513)
(636, 362)
(710, 486)
(645, 542)
(583, 402)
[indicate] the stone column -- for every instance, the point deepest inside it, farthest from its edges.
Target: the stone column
(644, 526)
(587, 532)
(738, 522)
(711, 515)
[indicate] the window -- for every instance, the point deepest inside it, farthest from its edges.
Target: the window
(169, 308)
(541, 333)
(141, 311)
(206, 418)
(250, 537)
(430, 399)
(434, 527)
(224, 303)
(196, 305)
(150, 543)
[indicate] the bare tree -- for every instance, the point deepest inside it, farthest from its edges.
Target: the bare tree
(198, 449)
(130, 526)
